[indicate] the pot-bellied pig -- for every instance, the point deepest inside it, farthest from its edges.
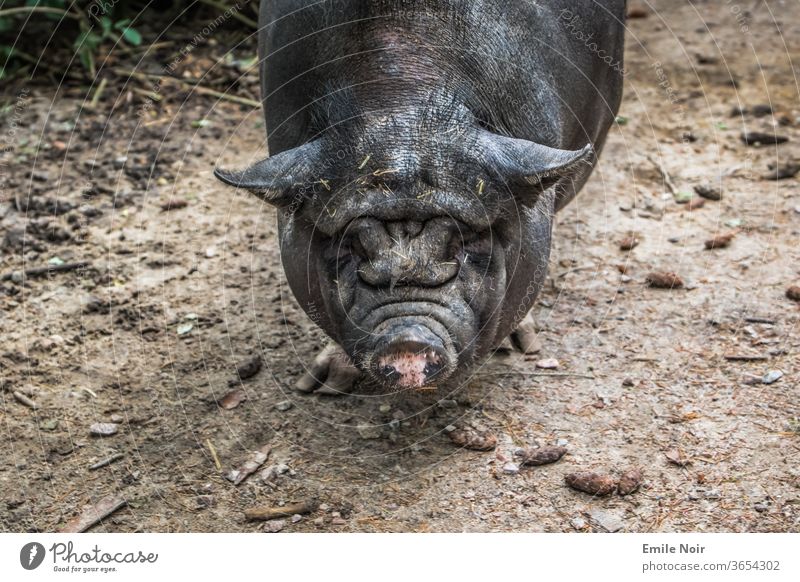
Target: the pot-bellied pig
(419, 152)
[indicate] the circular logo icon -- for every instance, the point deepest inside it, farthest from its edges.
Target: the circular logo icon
(31, 555)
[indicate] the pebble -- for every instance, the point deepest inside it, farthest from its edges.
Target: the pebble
(338, 521)
(369, 431)
(606, 520)
(103, 429)
(548, 364)
(319, 521)
(578, 523)
(511, 468)
(296, 517)
(385, 408)
(274, 526)
(709, 192)
(761, 507)
(284, 406)
(772, 376)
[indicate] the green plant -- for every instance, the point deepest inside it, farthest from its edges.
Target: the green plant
(71, 19)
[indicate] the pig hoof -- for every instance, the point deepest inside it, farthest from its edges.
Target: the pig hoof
(331, 374)
(526, 339)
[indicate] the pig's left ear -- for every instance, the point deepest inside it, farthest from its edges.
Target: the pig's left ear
(272, 179)
(518, 161)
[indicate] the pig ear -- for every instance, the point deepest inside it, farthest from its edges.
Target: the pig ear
(273, 178)
(518, 161)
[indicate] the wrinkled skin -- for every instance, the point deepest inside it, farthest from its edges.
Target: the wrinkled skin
(419, 151)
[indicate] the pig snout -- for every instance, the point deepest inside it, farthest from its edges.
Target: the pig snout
(411, 356)
(406, 253)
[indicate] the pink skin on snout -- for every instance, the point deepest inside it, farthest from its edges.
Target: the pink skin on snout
(410, 366)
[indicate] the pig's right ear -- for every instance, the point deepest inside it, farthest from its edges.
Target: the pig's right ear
(272, 179)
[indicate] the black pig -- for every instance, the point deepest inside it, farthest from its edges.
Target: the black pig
(419, 151)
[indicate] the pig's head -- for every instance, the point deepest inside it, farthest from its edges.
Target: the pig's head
(418, 250)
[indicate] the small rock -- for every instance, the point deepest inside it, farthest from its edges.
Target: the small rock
(763, 138)
(782, 170)
(772, 376)
(695, 204)
(274, 526)
(720, 241)
(629, 482)
(249, 368)
(578, 523)
(319, 521)
(761, 507)
(384, 408)
(591, 483)
(606, 520)
(296, 518)
(117, 418)
(793, 293)
(103, 429)
(709, 192)
(664, 280)
(284, 405)
(628, 243)
(510, 468)
(338, 521)
(676, 457)
(369, 431)
(232, 399)
(548, 364)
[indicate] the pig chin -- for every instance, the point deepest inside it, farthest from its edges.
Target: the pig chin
(410, 346)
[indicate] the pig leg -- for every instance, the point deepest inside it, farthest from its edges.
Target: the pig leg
(525, 338)
(332, 373)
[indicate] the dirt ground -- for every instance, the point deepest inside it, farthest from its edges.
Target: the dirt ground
(183, 284)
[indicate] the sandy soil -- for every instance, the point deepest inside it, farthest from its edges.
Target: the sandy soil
(149, 335)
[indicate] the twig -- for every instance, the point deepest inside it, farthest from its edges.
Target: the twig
(206, 91)
(544, 374)
(213, 452)
(235, 13)
(93, 514)
(267, 513)
(193, 84)
(665, 175)
(43, 9)
(98, 93)
(39, 271)
(22, 399)
(105, 462)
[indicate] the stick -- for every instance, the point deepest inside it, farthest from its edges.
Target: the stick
(267, 513)
(93, 514)
(39, 271)
(98, 93)
(198, 88)
(25, 400)
(544, 374)
(235, 13)
(213, 452)
(105, 462)
(664, 174)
